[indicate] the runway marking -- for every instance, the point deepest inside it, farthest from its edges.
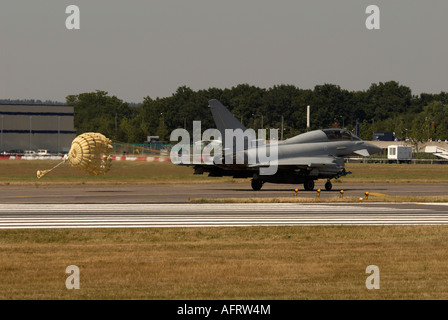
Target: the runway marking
(151, 207)
(31, 216)
(433, 203)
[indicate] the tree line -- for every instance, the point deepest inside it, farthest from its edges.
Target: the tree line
(384, 107)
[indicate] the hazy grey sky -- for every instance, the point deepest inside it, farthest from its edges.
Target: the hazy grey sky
(133, 49)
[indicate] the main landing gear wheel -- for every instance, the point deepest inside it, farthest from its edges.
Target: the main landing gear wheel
(328, 185)
(256, 184)
(309, 185)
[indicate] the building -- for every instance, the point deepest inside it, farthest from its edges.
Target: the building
(383, 136)
(36, 126)
(396, 152)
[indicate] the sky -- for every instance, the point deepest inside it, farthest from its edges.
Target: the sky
(138, 48)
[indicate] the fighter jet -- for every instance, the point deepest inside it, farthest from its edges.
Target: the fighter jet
(302, 159)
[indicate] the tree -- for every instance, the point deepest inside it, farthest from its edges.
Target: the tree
(388, 99)
(98, 112)
(436, 120)
(385, 106)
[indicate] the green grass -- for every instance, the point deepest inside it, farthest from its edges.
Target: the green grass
(222, 263)
(23, 172)
(375, 172)
(226, 263)
(17, 172)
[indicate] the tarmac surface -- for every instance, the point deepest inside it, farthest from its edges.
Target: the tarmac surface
(180, 193)
(47, 216)
(144, 206)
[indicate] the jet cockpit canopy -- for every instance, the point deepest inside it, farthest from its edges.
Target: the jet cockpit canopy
(340, 134)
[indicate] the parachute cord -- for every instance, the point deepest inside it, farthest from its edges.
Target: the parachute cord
(42, 173)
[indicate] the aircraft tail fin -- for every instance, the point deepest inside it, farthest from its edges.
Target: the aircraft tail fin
(225, 120)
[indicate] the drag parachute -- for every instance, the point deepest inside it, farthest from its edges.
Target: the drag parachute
(89, 153)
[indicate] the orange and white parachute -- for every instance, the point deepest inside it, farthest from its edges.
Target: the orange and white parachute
(89, 153)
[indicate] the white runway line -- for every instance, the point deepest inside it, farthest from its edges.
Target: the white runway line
(15, 216)
(160, 208)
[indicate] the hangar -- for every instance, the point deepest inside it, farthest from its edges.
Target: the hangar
(36, 126)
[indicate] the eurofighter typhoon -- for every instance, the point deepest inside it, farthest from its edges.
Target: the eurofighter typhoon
(302, 159)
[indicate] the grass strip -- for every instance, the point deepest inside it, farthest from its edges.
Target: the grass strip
(23, 172)
(320, 262)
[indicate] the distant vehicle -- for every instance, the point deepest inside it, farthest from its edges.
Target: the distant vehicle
(383, 136)
(42, 153)
(29, 153)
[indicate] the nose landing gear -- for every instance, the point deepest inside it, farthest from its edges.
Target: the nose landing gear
(256, 184)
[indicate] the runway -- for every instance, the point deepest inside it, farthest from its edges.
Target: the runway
(151, 206)
(180, 193)
(47, 216)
